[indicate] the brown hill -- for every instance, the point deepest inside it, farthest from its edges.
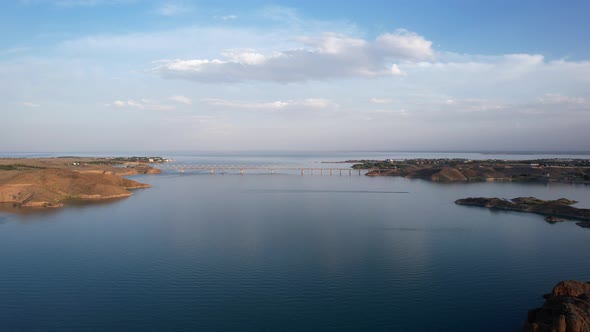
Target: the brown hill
(50, 187)
(449, 174)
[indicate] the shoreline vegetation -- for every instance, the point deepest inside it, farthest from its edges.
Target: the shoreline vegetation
(49, 182)
(464, 170)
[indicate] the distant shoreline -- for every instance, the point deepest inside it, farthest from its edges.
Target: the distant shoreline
(564, 170)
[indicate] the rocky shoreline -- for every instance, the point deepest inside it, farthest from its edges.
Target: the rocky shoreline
(552, 209)
(461, 170)
(566, 309)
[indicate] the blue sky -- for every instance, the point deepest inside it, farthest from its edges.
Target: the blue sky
(295, 75)
(553, 28)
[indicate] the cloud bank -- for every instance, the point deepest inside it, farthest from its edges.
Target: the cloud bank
(328, 56)
(309, 103)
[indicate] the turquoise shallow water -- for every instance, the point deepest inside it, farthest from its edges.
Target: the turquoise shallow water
(283, 252)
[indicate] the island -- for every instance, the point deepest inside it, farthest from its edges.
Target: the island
(566, 308)
(465, 170)
(49, 182)
(553, 209)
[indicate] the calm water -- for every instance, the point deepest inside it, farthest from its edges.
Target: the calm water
(286, 253)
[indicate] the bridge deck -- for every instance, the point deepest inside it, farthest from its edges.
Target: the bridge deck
(272, 168)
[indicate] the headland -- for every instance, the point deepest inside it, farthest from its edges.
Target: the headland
(554, 210)
(49, 182)
(463, 170)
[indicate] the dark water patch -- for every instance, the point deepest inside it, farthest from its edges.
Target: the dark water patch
(415, 229)
(323, 191)
(67, 204)
(81, 203)
(23, 211)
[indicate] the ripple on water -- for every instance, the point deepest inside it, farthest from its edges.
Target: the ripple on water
(227, 253)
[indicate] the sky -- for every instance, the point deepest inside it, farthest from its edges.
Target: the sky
(133, 75)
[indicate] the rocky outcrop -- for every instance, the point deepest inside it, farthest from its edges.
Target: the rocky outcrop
(553, 219)
(566, 309)
(555, 208)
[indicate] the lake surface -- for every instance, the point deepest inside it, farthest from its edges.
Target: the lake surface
(285, 252)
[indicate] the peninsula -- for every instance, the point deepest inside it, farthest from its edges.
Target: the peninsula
(464, 170)
(553, 209)
(49, 182)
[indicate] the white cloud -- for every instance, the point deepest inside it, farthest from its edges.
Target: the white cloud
(272, 105)
(509, 76)
(549, 106)
(317, 103)
(390, 112)
(14, 50)
(226, 17)
(171, 43)
(405, 45)
(245, 56)
(396, 71)
(172, 9)
(332, 43)
(143, 104)
(78, 3)
(556, 98)
(326, 56)
(380, 101)
(181, 100)
(281, 14)
(30, 104)
(436, 102)
(469, 105)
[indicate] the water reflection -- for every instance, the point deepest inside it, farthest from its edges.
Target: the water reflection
(289, 253)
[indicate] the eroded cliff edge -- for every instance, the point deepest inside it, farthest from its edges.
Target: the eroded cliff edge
(566, 309)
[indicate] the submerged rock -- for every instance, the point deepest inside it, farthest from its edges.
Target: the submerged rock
(566, 309)
(553, 219)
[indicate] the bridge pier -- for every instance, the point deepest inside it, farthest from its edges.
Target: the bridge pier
(302, 172)
(330, 172)
(359, 172)
(321, 171)
(340, 172)
(349, 172)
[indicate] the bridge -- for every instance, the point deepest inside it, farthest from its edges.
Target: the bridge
(272, 169)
